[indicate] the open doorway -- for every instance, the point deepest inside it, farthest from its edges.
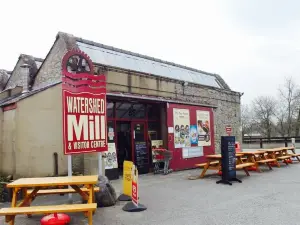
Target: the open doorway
(124, 145)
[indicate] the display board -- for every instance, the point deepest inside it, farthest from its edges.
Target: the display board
(228, 160)
(142, 156)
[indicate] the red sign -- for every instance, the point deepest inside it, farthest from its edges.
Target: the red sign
(134, 189)
(84, 106)
(228, 130)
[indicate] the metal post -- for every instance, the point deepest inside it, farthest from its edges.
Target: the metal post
(261, 143)
(294, 142)
(70, 175)
(100, 163)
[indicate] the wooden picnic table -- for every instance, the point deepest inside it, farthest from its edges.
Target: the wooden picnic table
(277, 153)
(293, 154)
(259, 157)
(37, 184)
(214, 163)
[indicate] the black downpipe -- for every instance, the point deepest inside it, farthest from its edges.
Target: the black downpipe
(55, 155)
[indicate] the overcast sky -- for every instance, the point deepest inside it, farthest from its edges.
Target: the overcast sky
(252, 44)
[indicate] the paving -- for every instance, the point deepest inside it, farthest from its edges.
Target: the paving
(270, 197)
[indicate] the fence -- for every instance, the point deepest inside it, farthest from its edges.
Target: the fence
(273, 142)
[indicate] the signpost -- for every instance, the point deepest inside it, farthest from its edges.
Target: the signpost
(228, 160)
(134, 205)
(134, 186)
(84, 107)
(228, 130)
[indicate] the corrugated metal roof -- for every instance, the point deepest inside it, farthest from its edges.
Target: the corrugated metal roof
(135, 62)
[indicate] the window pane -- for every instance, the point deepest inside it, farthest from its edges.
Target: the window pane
(110, 109)
(154, 131)
(110, 132)
(125, 110)
(153, 112)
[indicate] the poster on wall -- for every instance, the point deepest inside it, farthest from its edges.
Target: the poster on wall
(203, 127)
(181, 119)
(194, 135)
(110, 157)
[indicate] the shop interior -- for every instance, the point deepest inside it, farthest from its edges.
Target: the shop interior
(134, 125)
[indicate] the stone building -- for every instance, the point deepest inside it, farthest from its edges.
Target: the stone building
(148, 100)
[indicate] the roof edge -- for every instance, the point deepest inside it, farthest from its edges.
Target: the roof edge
(35, 58)
(138, 55)
(141, 56)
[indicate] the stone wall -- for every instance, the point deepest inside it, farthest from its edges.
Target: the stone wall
(227, 103)
(50, 71)
(8, 159)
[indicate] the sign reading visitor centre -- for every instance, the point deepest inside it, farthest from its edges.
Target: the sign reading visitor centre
(84, 105)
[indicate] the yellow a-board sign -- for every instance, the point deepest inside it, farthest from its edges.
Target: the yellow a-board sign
(127, 177)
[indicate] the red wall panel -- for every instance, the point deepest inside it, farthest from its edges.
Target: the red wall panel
(179, 163)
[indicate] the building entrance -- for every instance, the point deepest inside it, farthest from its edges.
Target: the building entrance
(133, 125)
(124, 144)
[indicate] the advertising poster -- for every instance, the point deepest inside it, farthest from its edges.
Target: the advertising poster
(194, 135)
(203, 127)
(111, 161)
(181, 119)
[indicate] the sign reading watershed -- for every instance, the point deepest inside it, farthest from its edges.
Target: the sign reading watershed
(141, 154)
(228, 158)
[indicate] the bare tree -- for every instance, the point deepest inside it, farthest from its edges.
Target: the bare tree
(246, 120)
(288, 106)
(264, 111)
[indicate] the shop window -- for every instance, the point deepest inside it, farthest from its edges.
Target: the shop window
(154, 130)
(126, 110)
(153, 111)
(110, 109)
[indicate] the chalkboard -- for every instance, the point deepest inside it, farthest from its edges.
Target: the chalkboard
(142, 156)
(228, 160)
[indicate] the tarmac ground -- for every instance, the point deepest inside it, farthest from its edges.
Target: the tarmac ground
(270, 197)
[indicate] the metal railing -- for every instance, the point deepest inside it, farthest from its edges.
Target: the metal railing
(275, 140)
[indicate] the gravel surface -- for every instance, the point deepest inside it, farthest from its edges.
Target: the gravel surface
(270, 197)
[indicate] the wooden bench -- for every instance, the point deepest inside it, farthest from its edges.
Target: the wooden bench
(211, 164)
(244, 165)
(60, 191)
(266, 160)
(10, 213)
(283, 157)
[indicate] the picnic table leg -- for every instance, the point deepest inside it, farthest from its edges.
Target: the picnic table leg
(24, 190)
(90, 200)
(269, 164)
(205, 169)
(256, 164)
(79, 191)
(11, 219)
(273, 156)
(246, 171)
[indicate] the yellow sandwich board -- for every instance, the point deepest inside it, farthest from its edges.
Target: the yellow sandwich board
(127, 181)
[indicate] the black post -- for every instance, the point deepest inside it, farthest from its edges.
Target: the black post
(285, 142)
(261, 143)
